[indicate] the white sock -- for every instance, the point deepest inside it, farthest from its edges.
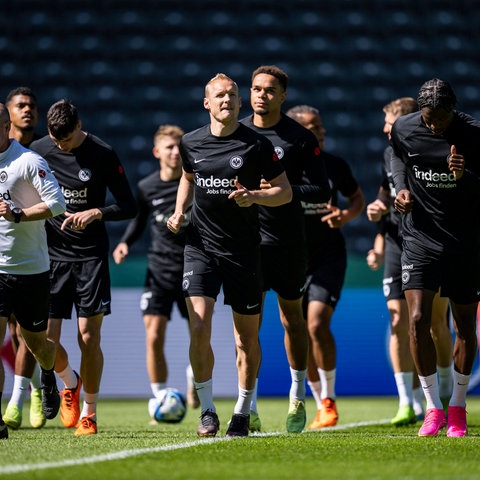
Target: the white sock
(242, 406)
(89, 405)
(445, 381)
(157, 387)
(298, 389)
(327, 377)
(430, 390)
(460, 387)
(418, 401)
(20, 389)
(68, 376)
(404, 381)
(205, 394)
(189, 373)
(35, 381)
(253, 403)
(316, 389)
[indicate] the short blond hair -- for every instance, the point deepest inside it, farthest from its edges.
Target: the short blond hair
(401, 106)
(219, 76)
(168, 131)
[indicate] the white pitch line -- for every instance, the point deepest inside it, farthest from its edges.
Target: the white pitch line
(106, 457)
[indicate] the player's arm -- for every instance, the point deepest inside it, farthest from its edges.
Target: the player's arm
(184, 202)
(403, 202)
(120, 253)
(134, 229)
(52, 201)
(39, 211)
(317, 188)
(376, 254)
(338, 217)
(380, 206)
(124, 207)
(278, 193)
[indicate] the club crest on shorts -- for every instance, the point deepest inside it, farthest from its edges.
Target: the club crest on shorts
(406, 272)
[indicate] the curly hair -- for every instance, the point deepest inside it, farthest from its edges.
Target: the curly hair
(435, 94)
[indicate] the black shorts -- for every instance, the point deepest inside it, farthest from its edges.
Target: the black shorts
(392, 271)
(83, 285)
(204, 273)
(26, 296)
(457, 275)
(163, 288)
(284, 271)
(325, 282)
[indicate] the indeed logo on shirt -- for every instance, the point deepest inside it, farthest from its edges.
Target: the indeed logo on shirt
(431, 176)
(216, 185)
(75, 196)
(5, 195)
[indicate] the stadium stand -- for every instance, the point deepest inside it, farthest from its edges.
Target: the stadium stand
(130, 65)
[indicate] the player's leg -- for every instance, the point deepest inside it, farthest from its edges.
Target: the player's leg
(44, 351)
(201, 288)
(255, 421)
(70, 395)
(296, 347)
(62, 295)
(442, 337)
(246, 333)
(315, 385)
(155, 330)
(202, 360)
(91, 369)
(33, 319)
(324, 352)
(402, 362)
(24, 366)
(156, 304)
(3, 427)
(192, 397)
(423, 351)
(464, 354)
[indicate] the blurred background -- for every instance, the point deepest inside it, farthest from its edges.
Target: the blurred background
(131, 65)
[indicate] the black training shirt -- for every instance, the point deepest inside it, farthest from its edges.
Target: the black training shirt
(219, 223)
(298, 150)
(444, 217)
(85, 175)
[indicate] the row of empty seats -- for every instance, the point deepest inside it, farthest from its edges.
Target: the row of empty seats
(130, 66)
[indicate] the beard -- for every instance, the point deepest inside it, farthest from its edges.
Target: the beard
(261, 111)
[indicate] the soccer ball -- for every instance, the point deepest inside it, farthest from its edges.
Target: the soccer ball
(168, 406)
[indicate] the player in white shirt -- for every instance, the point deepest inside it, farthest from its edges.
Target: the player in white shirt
(29, 194)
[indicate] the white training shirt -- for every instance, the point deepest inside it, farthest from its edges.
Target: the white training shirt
(25, 180)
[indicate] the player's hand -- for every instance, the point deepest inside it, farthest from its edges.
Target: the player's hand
(376, 210)
(264, 185)
(175, 222)
(334, 219)
(242, 196)
(456, 163)
(374, 259)
(120, 253)
(403, 201)
(5, 211)
(80, 220)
